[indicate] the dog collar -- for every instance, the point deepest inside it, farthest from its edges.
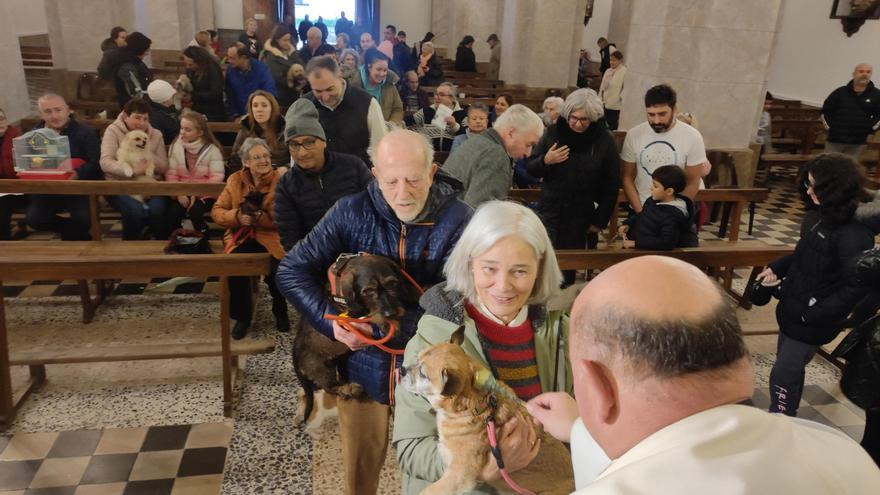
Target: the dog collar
(334, 273)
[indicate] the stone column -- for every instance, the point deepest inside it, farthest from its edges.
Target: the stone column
(77, 27)
(12, 85)
(540, 42)
(452, 20)
(715, 53)
(204, 10)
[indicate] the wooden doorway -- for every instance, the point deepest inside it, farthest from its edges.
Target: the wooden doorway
(264, 11)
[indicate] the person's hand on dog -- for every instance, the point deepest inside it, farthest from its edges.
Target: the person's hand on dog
(184, 201)
(344, 336)
(556, 412)
(519, 445)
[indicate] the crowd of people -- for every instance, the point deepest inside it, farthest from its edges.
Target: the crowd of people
(342, 161)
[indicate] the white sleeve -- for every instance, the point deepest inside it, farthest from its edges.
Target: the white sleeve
(696, 153)
(375, 123)
(628, 153)
(587, 457)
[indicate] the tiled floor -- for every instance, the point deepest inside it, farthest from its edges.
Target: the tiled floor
(176, 460)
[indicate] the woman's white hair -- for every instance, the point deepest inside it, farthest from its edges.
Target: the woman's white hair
(249, 144)
(428, 47)
(492, 222)
(586, 100)
(521, 118)
(553, 99)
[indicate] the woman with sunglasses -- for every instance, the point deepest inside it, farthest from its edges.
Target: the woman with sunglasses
(819, 283)
(578, 160)
(317, 178)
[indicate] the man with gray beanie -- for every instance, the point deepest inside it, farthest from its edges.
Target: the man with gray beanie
(163, 115)
(317, 177)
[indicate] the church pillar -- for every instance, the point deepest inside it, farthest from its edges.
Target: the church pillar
(714, 53)
(12, 85)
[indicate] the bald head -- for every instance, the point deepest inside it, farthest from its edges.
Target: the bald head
(660, 315)
(313, 36)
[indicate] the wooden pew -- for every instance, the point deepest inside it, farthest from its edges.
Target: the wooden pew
(99, 260)
(738, 197)
(719, 257)
(95, 188)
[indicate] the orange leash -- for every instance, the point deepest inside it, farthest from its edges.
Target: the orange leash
(346, 323)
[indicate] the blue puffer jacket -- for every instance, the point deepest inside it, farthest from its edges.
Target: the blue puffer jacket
(364, 222)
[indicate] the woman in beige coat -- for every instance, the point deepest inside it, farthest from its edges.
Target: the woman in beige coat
(611, 89)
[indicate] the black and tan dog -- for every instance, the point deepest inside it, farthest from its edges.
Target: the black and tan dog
(464, 394)
(363, 286)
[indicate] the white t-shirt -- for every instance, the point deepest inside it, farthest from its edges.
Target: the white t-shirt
(682, 145)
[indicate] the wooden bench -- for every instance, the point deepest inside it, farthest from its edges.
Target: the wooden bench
(736, 197)
(99, 260)
(716, 256)
(95, 188)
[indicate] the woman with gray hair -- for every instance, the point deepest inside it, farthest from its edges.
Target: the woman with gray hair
(578, 160)
(552, 106)
(499, 278)
(245, 209)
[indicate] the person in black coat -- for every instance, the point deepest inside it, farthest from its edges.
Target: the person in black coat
(605, 49)
(578, 161)
(852, 113)
(206, 77)
(465, 60)
(317, 179)
(303, 29)
(126, 68)
(819, 284)
(164, 117)
(667, 218)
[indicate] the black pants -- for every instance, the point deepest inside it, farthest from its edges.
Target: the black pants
(612, 117)
(197, 211)
(787, 375)
(240, 304)
(42, 214)
(871, 439)
(7, 205)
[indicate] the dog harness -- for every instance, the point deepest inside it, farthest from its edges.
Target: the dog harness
(496, 449)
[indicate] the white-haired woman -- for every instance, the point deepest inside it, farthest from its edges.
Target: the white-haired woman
(550, 109)
(578, 160)
(500, 276)
(441, 121)
(429, 70)
(251, 228)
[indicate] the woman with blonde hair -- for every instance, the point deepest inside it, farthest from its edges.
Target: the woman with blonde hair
(263, 120)
(195, 157)
(428, 66)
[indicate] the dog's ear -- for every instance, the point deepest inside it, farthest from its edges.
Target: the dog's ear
(452, 383)
(457, 336)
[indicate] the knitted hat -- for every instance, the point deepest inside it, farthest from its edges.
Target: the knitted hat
(160, 91)
(137, 43)
(302, 120)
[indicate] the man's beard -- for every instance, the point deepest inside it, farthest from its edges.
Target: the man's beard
(660, 127)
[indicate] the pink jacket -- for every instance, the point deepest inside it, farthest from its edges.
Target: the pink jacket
(209, 166)
(113, 137)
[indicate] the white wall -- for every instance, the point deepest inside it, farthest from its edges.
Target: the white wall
(228, 14)
(28, 16)
(598, 26)
(813, 56)
(12, 85)
(412, 16)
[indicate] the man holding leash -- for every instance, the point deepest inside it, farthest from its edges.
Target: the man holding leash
(409, 213)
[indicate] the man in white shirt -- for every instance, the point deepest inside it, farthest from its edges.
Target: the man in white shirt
(657, 376)
(662, 140)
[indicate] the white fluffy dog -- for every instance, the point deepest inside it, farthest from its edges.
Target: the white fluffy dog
(134, 155)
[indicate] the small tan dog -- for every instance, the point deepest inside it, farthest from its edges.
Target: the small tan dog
(296, 77)
(134, 156)
(183, 96)
(460, 390)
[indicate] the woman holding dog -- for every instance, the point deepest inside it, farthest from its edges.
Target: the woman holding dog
(194, 156)
(264, 121)
(245, 209)
(206, 78)
(500, 276)
(280, 54)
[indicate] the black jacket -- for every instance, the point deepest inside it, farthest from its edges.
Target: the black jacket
(662, 227)
(605, 57)
(302, 197)
(84, 145)
(402, 59)
(129, 74)
(465, 60)
(346, 126)
(852, 117)
(572, 189)
(207, 95)
(165, 120)
(820, 286)
(434, 74)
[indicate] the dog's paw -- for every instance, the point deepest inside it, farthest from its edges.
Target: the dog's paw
(349, 391)
(127, 170)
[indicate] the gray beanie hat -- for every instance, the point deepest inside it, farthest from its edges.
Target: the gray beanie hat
(301, 119)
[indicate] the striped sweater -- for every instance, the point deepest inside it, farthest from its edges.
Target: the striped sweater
(511, 353)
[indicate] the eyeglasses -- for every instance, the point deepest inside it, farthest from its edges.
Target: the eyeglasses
(260, 158)
(578, 120)
(307, 145)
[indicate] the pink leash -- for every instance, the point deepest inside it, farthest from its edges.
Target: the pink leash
(496, 450)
